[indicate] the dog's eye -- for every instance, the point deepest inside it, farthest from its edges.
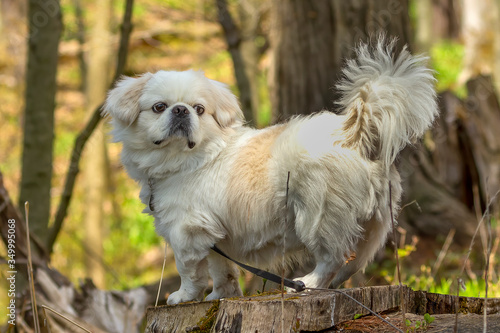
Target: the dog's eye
(159, 107)
(199, 109)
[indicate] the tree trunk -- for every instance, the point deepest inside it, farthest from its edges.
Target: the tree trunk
(95, 154)
(479, 31)
(436, 20)
(445, 19)
(312, 39)
(13, 33)
(458, 179)
(80, 36)
(424, 34)
(234, 40)
(496, 73)
(250, 17)
(496, 44)
(482, 139)
(45, 30)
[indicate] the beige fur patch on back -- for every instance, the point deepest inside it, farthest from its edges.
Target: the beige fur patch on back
(249, 177)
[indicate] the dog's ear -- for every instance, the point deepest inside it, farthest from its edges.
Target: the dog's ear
(123, 100)
(228, 111)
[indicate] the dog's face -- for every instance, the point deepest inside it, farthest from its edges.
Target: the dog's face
(156, 110)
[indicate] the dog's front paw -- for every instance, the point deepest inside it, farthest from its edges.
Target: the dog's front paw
(225, 289)
(180, 296)
(213, 296)
(230, 291)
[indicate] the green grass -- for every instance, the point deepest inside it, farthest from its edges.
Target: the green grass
(470, 288)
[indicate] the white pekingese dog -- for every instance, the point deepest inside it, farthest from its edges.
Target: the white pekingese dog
(207, 179)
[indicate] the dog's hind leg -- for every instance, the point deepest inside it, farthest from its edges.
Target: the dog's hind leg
(323, 272)
(366, 248)
(225, 278)
(376, 230)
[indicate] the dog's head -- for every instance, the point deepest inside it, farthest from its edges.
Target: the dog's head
(153, 111)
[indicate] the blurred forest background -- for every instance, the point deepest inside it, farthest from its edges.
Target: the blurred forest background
(281, 58)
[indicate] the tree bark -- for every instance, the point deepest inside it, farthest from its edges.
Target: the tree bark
(481, 134)
(38, 128)
(458, 179)
(312, 39)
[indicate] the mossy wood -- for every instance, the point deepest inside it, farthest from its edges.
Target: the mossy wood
(311, 311)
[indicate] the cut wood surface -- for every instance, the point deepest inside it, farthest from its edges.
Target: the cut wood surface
(315, 311)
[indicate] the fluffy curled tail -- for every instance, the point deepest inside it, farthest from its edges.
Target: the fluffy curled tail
(389, 100)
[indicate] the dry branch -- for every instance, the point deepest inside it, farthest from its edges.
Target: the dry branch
(234, 39)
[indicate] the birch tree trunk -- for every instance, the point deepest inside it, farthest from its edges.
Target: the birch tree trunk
(45, 26)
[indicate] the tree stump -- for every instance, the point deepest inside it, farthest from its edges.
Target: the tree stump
(311, 311)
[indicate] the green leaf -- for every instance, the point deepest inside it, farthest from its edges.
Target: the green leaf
(428, 318)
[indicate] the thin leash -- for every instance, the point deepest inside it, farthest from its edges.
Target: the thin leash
(297, 285)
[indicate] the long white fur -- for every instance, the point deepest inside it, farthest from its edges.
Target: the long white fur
(230, 188)
(398, 97)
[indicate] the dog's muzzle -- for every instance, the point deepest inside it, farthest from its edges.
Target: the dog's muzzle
(180, 122)
(180, 125)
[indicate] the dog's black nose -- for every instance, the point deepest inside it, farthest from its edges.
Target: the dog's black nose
(180, 111)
